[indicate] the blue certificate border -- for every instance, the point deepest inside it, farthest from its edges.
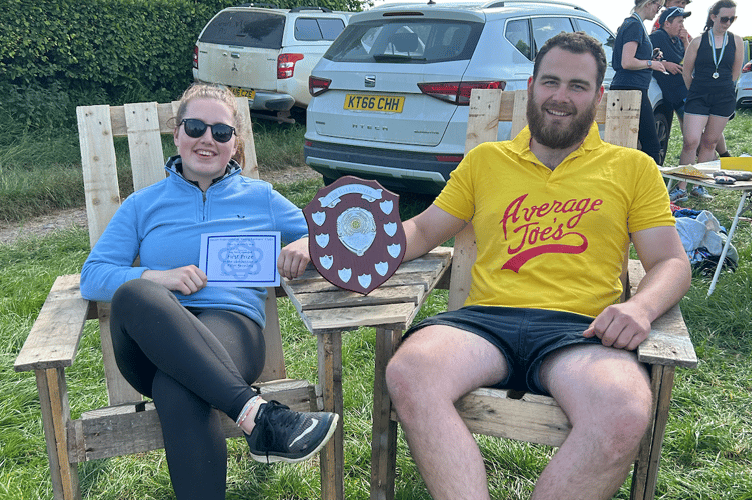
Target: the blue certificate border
(204, 263)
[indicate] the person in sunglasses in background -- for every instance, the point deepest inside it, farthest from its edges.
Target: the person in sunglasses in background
(634, 61)
(712, 64)
(189, 346)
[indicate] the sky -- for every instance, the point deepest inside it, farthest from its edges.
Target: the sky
(612, 13)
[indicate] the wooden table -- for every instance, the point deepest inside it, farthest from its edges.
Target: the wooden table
(328, 311)
(743, 187)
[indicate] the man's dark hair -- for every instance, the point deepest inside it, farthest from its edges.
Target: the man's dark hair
(577, 43)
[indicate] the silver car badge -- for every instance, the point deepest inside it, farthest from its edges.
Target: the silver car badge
(370, 81)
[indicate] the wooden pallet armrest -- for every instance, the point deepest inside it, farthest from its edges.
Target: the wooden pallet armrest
(668, 342)
(54, 337)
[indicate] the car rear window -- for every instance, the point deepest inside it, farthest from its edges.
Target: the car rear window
(406, 40)
(246, 29)
(308, 29)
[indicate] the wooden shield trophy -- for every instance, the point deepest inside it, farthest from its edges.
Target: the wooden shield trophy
(356, 238)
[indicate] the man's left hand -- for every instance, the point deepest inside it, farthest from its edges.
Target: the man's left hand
(623, 326)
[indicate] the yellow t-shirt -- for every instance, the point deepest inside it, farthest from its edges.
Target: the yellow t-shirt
(554, 239)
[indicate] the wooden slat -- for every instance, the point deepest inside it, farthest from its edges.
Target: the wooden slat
(99, 167)
(391, 316)
(329, 350)
(121, 430)
(53, 340)
(665, 376)
(465, 253)
(531, 419)
(119, 390)
(483, 118)
(274, 363)
(669, 342)
(144, 143)
(622, 117)
(53, 399)
(648, 458)
(251, 168)
(519, 113)
(342, 298)
(309, 291)
(384, 429)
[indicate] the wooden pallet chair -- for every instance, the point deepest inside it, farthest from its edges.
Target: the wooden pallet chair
(129, 424)
(534, 418)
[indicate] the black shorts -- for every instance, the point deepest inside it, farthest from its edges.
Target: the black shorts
(720, 104)
(524, 336)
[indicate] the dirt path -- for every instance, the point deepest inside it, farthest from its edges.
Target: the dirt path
(40, 226)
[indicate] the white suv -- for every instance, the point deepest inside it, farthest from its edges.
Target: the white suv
(391, 94)
(266, 54)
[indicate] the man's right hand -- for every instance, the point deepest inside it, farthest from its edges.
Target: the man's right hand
(186, 280)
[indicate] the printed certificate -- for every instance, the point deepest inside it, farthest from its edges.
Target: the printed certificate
(241, 259)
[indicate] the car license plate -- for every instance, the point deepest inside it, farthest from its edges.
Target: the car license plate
(250, 94)
(384, 103)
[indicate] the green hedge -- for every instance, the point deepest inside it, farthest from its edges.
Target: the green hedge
(92, 51)
(120, 47)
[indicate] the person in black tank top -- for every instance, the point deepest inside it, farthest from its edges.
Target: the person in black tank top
(712, 64)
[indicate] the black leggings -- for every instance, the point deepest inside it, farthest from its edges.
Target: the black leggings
(188, 361)
(647, 134)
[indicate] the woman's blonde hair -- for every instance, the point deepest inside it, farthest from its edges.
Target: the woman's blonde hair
(223, 95)
(640, 3)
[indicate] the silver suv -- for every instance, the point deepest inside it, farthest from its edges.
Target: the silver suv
(391, 94)
(266, 54)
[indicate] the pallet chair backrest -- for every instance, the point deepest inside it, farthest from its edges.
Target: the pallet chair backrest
(144, 124)
(618, 112)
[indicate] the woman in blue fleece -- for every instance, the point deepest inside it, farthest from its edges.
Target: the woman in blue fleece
(188, 346)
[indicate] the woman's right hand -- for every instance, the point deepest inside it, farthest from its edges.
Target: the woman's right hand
(186, 279)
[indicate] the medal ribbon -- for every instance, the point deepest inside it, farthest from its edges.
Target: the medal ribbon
(716, 59)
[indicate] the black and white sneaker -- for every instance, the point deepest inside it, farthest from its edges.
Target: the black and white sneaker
(284, 435)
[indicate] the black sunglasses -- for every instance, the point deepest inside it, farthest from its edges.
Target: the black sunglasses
(729, 20)
(196, 128)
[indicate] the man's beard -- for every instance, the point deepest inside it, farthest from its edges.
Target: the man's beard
(556, 136)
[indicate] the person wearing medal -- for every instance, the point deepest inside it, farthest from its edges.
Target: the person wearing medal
(634, 61)
(712, 64)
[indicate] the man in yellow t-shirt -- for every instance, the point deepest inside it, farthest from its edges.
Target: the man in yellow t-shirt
(553, 211)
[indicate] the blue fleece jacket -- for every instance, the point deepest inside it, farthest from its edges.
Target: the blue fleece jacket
(163, 224)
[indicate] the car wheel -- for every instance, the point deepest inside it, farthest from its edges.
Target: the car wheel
(663, 129)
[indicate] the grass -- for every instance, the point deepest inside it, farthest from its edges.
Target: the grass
(707, 452)
(41, 172)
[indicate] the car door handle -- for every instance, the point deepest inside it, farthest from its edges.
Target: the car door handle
(235, 55)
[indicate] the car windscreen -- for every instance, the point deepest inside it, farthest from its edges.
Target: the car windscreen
(245, 29)
(406, 40)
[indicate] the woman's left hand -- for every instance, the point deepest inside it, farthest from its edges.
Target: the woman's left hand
(293, 259)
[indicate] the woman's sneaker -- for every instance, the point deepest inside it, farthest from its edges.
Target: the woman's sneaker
(701, 192)
(284, 435)
(677, 195)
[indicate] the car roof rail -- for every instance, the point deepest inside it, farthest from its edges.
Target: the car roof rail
(261, 5)
(502, 3)
(309, 7)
